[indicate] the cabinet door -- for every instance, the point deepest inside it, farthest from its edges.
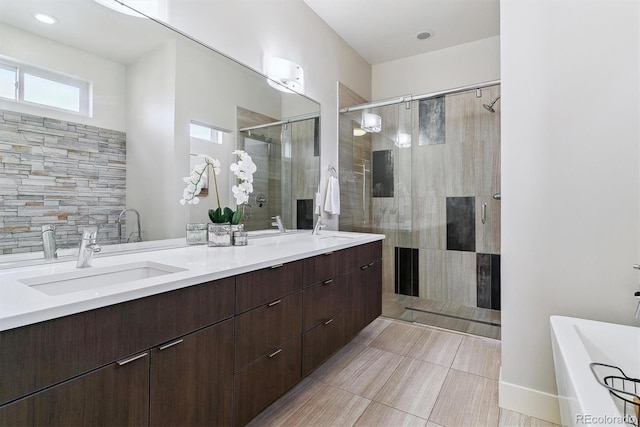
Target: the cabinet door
(192, 379)
(322, 341)
(321, 301)
(264, 381)
(356, 303)
(329, 265)
(263, 329)
(116, 395)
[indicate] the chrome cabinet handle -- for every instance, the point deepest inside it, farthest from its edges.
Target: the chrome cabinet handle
(326, 282)
(484, 213)
(371, 264)
(271, 304)
(132, 358)
(275, 352)
(171, 344)
(328, 321)
(364, 267)
(276, 266)
(328, 253)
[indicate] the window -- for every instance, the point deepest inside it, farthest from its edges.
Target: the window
(206, 132)
(37, 86)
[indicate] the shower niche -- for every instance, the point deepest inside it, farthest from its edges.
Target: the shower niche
(424, 177)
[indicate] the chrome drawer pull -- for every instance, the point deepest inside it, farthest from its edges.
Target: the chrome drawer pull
(131, 359)
(328, 321)
(276, 266)
(271, 304)
(328, 253)
(326, 282)
(163, 347)
(364, 267)
(275, 352)
(371, 264)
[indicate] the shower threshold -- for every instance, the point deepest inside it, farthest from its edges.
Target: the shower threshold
(454, 317)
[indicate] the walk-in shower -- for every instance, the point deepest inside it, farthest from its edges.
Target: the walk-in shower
(423, 170)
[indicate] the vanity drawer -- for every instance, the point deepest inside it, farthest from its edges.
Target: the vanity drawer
(265, 380)
(39, 355)
(323, 300)
(264, 328)
(329, 265)
(368, 253)
(264, 286)
(322, 341)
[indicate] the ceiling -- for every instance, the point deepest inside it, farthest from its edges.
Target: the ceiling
(385, 30)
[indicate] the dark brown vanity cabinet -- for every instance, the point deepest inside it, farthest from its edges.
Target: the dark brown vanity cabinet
(92, 368)
(216, 353)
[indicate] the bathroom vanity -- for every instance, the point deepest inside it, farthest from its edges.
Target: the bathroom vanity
(212, 342)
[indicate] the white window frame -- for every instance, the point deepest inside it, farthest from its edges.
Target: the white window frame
(217, 134)
(84, 87)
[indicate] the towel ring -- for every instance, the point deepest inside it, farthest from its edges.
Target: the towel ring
(332, 171)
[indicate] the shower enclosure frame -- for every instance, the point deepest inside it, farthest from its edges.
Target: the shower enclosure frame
(404, 236)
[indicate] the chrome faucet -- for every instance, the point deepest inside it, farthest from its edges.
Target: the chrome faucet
(88, 247)
(277, 222)
(49, 242)
(320, 224)
(637, 295)
(124, 211)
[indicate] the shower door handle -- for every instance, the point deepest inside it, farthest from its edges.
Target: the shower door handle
(484, 213)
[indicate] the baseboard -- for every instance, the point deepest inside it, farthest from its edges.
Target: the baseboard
(530, 402)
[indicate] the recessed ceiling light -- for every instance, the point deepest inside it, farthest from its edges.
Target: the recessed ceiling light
(45, 18)
(424, 35)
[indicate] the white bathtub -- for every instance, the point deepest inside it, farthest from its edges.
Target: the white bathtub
(577, 343)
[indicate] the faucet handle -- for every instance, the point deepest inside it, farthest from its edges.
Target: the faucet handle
(636, 266)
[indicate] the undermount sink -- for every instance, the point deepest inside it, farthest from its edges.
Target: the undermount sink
(321, 237)
(93, 278)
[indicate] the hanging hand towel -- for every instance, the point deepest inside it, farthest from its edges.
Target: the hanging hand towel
(332, 198)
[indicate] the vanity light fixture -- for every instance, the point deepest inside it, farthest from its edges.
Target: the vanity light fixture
(284, 75)
(371, 122)
(45, 18)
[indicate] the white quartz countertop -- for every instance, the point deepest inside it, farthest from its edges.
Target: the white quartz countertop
(21, 304)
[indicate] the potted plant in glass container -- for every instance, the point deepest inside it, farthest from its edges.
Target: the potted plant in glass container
(222, 218)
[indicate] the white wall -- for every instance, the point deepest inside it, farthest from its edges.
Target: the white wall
(108, 77)
(457, 66)
(248, 30)
(150, 149)
(570, 180)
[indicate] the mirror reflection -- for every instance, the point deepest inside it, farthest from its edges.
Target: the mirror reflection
(109, 114)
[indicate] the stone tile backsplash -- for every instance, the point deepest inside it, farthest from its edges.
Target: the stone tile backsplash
(57, 172)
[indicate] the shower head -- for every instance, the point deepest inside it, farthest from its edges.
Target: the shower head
(489, 107)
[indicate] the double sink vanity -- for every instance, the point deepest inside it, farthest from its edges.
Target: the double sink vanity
(188, 335)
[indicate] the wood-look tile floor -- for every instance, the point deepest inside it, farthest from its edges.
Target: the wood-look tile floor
(396, 373)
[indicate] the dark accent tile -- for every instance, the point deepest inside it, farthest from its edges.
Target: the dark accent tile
(483, 269)
(304, 214)
(431, 121)
(461, 224)
(316, 137)
(488, 284)
(382, 173)
(495, 282)
(406, 271)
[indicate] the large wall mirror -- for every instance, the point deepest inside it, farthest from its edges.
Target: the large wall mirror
(110, 112)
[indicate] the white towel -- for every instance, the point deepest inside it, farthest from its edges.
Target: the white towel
(332, 198)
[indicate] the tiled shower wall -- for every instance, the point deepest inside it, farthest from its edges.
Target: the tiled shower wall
(56, 172)
(440, 185)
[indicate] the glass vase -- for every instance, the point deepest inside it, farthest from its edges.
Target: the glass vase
(220, 234)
